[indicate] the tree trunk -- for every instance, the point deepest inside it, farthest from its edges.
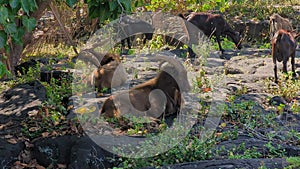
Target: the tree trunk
(17, 50)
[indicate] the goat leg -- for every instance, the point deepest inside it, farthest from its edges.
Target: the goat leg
(122, 44)
(191, 53)
(219, 43)
(128, 42)
(285, 68)
(275, 71)
(293, 64)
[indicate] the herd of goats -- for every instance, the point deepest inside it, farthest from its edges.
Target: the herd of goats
(141, 98)
(172, 79)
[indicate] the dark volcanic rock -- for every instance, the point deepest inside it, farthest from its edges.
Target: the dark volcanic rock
(56, 74)
(9, 153)
(87, 154)
(17, 102)
(231, 164)
(277, 100)
(53, 150)
(75, 152)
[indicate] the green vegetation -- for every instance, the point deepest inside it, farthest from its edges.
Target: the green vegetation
(237, 117)
(288, 87)
(294, 162)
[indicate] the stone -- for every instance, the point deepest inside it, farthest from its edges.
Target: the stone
(9, 153)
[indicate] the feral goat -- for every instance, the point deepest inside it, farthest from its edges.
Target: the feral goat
(283, 47)
(156, 98)
(277, 22)
(102, 77)
(108, 66)
(214, 24)
(128, 27)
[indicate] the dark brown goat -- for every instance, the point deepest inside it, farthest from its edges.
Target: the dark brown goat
(283, 47)
(214, 24)
(160, 96)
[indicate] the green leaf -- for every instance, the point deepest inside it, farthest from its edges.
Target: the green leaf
(17, 39)
(103, 14)
(126, 4)
(71, 3)
(14, 3)
(3, 38)
(3, 1)
(112, 5)
(29, 23)
(10, 28)
(25, 6)
(3, 14)
(33, 5)
(28, 5)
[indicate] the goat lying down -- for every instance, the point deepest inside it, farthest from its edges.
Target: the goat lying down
(283, 47)
(158, 97)
(214, 24)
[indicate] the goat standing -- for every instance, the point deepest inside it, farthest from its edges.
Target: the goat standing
(128, 27)
(214, 24)
(283, 47)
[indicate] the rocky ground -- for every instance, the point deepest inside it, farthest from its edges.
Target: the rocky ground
(247, 72)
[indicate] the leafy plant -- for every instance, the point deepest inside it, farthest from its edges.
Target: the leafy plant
(244, 113)
(275, 151)
(294, 162)
(9, 10)
(183, 6)
(107, 9)
(190, 149)
(57, 93)
(156, 42)
(3, 70)
(287, 87)
(246, 153)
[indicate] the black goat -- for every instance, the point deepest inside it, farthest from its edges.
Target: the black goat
(214, 24)
(129, 27)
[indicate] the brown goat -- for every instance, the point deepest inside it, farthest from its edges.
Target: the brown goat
(110, 66)
(277, 22)
(284, 46)
(160, 96)
(214, 24)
